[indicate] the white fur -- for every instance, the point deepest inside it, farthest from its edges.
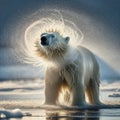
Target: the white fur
(52, 21)
(73, 72)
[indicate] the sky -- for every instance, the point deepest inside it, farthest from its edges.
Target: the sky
(97, 19)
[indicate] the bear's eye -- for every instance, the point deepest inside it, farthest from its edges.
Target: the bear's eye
(53, 36)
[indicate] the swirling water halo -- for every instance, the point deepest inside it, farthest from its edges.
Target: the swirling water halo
(53, 21)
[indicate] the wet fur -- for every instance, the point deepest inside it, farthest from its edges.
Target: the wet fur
(50, 54)
(76, 75)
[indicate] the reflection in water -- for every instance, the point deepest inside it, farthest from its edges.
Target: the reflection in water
(73, 115)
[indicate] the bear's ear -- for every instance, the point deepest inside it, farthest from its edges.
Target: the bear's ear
(67, 39)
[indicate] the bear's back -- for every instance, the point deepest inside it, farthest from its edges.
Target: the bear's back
(90, 64)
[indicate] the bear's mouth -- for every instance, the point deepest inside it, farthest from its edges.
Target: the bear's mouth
(44, 43)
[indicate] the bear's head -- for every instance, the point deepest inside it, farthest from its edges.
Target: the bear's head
(53, 40)
(52, 45)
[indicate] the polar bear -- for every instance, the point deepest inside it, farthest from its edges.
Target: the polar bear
(72, 72)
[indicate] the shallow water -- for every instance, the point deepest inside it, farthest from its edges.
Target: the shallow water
(29, 96)
(104, 114)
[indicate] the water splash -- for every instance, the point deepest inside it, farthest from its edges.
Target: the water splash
(50, 20)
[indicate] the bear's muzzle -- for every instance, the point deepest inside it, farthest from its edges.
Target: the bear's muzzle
(44, 41)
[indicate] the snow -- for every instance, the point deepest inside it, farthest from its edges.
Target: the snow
(16, 113)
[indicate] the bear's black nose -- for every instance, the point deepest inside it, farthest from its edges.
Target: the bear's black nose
(43, 40)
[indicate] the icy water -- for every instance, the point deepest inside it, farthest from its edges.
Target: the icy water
(28, 95)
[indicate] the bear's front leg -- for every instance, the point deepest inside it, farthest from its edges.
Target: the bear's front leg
(52, 86)
(74, 77)
(78, 95)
